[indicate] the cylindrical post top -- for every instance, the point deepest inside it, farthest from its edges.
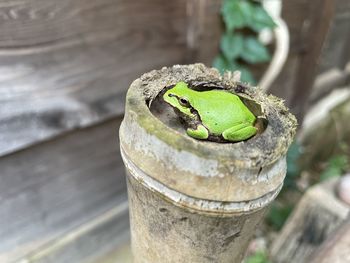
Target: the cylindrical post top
(202, 175)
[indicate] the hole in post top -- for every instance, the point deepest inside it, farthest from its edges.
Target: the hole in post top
(209, 111)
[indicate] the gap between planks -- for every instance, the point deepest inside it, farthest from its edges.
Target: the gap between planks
(75, 235)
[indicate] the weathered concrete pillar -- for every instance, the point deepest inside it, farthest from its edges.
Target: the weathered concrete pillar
(198, 201)
(314, 219)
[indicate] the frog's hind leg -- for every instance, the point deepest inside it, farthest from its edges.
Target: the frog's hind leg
(239, 132)
(200, 132)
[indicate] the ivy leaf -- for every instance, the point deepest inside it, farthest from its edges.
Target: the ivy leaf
(237, 13)
(246, 75)
(335, 168)
(222, 64)
(278, 214)
(231, 45)
(254, 51)
(261, 19)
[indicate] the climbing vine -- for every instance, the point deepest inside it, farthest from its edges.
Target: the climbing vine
(239, 44)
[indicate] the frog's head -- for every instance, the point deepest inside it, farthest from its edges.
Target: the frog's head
(179, 97)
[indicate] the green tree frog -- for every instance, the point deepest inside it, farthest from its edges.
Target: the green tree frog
(216, 115)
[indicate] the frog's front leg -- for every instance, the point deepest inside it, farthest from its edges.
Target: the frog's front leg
(200, 132)
(239, 132)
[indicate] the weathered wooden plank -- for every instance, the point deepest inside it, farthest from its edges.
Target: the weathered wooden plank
(123, 255)
(88, 242)
(295, 14)
(204, 30)
(284, 83)
(55, 186)
(320, 16)
(67, 64)
(48, 23)
(336, 52)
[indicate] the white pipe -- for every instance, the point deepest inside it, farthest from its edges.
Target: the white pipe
(281, 35)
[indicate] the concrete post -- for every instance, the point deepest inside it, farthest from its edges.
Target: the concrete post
(198, 201)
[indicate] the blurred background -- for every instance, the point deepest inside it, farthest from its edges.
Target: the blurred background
(65, 67)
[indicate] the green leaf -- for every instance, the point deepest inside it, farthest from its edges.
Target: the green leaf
(261, 19)
(254, 51)
(237, 13)
(246, 75)
(335, 168)
(222, 64)
(231, 45)
(278, 215)
(258, 257)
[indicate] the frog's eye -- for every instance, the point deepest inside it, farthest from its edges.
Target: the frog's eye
(184, 102)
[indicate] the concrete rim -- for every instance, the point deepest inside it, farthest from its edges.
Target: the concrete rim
(196, 205)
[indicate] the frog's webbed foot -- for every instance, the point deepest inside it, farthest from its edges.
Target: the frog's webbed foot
(239, 132)
(200, 132)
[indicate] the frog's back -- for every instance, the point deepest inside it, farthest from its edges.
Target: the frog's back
(220, 110)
